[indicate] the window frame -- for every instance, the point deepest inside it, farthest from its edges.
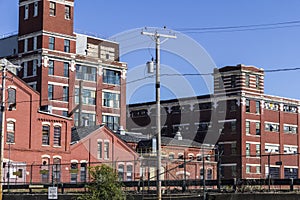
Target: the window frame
(35, 8)
(46, 135)
(67, 12)
(51, 67)
(52, 8)
(67, 45)
(51, 43)
(10, 133)
(50, 92)
(26, 11)
(57, 136)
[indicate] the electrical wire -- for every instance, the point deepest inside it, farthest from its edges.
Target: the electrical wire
(167, 75)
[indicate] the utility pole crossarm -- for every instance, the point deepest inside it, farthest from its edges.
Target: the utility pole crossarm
(159, 35)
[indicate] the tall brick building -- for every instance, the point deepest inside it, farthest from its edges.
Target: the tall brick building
(257, 133)
(55, 60)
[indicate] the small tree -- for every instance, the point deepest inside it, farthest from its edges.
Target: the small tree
(104, 185)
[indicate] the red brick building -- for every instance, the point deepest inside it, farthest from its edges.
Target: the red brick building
(31, 136)
(248, 125)
(94, 145)
(55, 60)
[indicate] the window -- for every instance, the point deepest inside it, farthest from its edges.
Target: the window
(180, 156)
(129, 173)
(56, 170)
(111, 77)
(289, 108)
(10, 131)
(248, 169)
(257, 150)
(121, 172)
(66, 69)
(233, 148)
(247, 80)
(257, 128)
(232, 105)
(247, 149)
(233, 81)
(272, 127)
(34, 43)
(88, 96)
(111, 100)
(171, 156)
(221, 83)
(51, 43)
(65, 113)
(45, 135)
(86, 73)
(257, 81)
(290, 173)
(233, 126)
(258, 169)
(11, 98)
(87, 119)
(26, 11)
(50, 92)
(25, 70)
(67, 46)
(233, 171)
(57, 136)
(65, 93)
(257, 107)
(67, 12)
(271, 148)
(209, 174)
(25, 45)
(44, 171)
(51, 67)
(290, 128)
(247, 105)
(247, 127)
(52, 8)
(111, 122)
(35, 8)
(271, 106)
(106, 150)
(73, 172)
(290, 149)
(99, 149)
(83, 170)
(34, 67)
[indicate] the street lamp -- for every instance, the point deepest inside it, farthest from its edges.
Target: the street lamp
(150, 66)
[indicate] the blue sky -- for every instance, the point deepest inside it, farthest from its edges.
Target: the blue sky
(268, 49)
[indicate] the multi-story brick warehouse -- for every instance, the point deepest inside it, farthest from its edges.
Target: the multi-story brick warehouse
(250, 126)
(55, 60)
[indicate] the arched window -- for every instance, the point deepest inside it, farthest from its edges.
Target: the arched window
(57, 136)
(11, 98)
(121, 172)
(129, 173)
(10, 131)
(44, 171)
(45, 134)
(56, 170)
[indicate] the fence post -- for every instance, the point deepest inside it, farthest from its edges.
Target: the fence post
(62, 188)
(234, 184)
(291, 184)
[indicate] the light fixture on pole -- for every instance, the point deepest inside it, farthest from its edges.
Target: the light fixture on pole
(150, 66)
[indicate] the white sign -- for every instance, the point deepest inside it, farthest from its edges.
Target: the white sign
(52, 193)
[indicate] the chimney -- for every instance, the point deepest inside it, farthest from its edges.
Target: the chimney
(121, 130)
(178, 136)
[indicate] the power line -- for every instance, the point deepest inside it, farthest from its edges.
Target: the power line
(287, 24)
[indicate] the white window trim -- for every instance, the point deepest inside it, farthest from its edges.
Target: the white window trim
(46, 123)
(57, 156)
(11, 120)
(74, 161)
(57, 124)
(46, 156)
